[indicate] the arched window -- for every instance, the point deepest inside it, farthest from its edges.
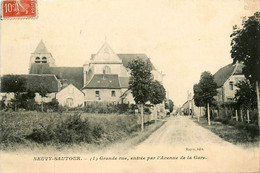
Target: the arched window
(106, 70)
(44, 60)
(37, 60)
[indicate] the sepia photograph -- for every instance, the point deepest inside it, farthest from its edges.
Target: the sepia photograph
(129, 86)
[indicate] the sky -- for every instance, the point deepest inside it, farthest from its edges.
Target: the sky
(182, 38)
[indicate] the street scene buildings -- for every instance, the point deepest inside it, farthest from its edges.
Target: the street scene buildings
(104, 77)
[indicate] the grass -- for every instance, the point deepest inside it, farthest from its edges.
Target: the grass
(45, 132)
(234, 132)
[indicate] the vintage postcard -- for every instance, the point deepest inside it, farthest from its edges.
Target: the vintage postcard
(129, 86)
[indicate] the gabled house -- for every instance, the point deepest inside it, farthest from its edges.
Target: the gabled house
(70, 96)
(103, 87)
(106, 75)
(226, 78)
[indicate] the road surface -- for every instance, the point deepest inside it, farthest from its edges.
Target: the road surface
(207, 152)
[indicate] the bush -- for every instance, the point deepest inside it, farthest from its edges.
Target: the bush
(55, 128)
(106, 108)
(72, 130)
(225, 121)
(252, 129)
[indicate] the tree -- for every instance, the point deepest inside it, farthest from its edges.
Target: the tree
(205, 91)
(157, 94)
(245, 48)
(140, 82)
(197, 97)
(42, 90)
(14, 84)
(171, 105)
(245, 96)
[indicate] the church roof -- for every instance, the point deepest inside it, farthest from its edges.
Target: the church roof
(72, 75)
(126, 58)
(222, 75)
(104, 81)
(41, 48)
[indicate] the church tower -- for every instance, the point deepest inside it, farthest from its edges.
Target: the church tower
(42, 56)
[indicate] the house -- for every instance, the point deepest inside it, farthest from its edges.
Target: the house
(106, 75)
(127, 97)
(34, 81)
(226, 78)
(70, 96)
(189, 108)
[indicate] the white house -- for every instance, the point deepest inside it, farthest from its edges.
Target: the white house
(70, 96)
(226, 78)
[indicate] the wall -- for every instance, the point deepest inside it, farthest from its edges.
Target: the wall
(115, 69)
(46, 99)
(228, 93)
(190, 105)
(105, 95)
(49, 57)
(157, 76)
(128, 99)
(70, 92)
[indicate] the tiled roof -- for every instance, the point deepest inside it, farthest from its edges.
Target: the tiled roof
(239, 69)
(73, 75)
(104, 81)
(33, 81)
(124, 82)
(222, 75)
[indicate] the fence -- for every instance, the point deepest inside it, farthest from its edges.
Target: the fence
(242, 115)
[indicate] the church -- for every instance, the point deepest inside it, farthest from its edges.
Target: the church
(104, 78)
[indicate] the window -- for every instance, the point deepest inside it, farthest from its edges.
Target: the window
(97, 94)
(37, 60)
(231, 85)
(44, 60)
(106, 70)
(229, 99)
(113, 93)
(69, 102)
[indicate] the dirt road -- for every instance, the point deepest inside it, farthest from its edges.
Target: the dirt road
(202, 150)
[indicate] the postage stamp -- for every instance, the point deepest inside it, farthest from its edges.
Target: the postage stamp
(12, 9)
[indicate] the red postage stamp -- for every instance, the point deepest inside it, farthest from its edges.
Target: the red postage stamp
(19, 9)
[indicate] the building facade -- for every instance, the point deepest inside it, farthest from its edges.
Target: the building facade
(226, 79)
(70, 96)
(104, 77)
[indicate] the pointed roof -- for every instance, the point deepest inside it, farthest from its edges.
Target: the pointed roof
(223, 74)
(41, 48)
(105, 53)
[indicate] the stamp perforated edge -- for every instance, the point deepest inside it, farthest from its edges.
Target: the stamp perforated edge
(20, 18)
